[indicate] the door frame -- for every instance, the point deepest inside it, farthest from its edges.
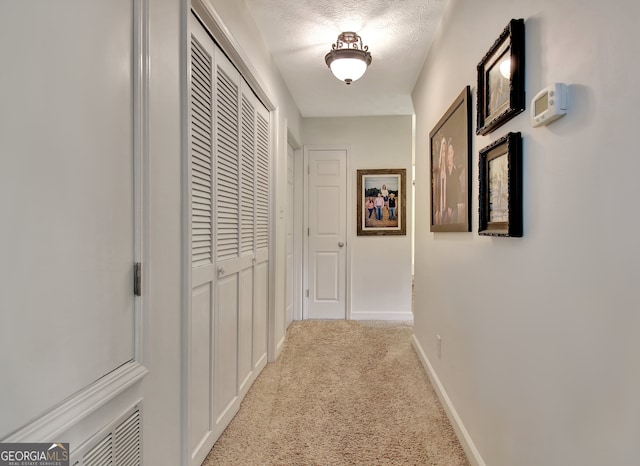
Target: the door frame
(298, 237)
(305, 226)
(296, 215)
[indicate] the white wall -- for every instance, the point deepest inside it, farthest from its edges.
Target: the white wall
(540, 334)
(380, 267)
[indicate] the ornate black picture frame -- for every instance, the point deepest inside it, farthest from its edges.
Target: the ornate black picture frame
(500, 179)
(501, 93)
(450, 148)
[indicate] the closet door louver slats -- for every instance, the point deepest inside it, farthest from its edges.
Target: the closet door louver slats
(262, 183)
(227, 179)
(201, 150)
(247, 203)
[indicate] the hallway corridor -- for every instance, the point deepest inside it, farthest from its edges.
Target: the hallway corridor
(342, 392)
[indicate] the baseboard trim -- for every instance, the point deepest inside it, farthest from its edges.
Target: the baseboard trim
(280, 346)
(461, 432)
(366, 315)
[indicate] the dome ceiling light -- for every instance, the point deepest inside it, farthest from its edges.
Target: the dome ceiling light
(348, 59)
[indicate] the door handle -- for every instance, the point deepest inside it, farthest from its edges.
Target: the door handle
(220, 270)
(340, 244)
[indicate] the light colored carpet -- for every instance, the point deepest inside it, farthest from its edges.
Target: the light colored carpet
(341, 393)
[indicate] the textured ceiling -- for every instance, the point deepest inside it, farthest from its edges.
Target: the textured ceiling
(300, 32)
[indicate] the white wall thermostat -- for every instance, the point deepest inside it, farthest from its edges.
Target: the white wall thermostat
(549, 104)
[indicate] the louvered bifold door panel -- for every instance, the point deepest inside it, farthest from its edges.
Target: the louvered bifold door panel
(199, 323)
(227, 167)
(227, 300)
(262, 182)
(201, 156)
(261, 272)
(247, 238)
(247, 202)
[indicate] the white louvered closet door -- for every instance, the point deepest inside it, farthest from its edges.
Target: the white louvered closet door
(247, 237)
(261, 286)
(200, 326)
(229, 224)
(241, 238)
(227, 240)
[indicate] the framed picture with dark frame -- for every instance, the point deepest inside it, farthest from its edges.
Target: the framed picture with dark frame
(450, 149)
(500, 180)
(501, 93)
(381, 208)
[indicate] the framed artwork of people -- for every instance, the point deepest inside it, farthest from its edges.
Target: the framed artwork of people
(450, 147)
(381, 208)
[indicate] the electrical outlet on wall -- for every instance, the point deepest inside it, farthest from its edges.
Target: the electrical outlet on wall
(439, 349)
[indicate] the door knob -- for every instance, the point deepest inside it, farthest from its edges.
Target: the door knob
(220, 270)
(340, 244)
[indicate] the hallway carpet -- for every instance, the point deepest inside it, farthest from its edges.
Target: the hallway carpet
(341, 393)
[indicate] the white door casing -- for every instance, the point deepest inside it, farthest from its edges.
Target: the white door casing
(289, 262)
(327, 233)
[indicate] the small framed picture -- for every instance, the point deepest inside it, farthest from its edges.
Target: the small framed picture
(450, 149)
(381, 208)
(500, 201)
(501, 93)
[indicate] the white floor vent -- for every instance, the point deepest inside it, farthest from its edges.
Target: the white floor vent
(117, 444)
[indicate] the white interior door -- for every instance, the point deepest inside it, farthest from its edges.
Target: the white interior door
(327, 201)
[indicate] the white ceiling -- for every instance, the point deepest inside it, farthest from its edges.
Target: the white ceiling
(299, 34)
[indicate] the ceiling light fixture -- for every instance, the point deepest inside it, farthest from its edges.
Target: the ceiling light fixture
(348, 59)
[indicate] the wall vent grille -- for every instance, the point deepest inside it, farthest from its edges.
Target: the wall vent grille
(117, 444)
